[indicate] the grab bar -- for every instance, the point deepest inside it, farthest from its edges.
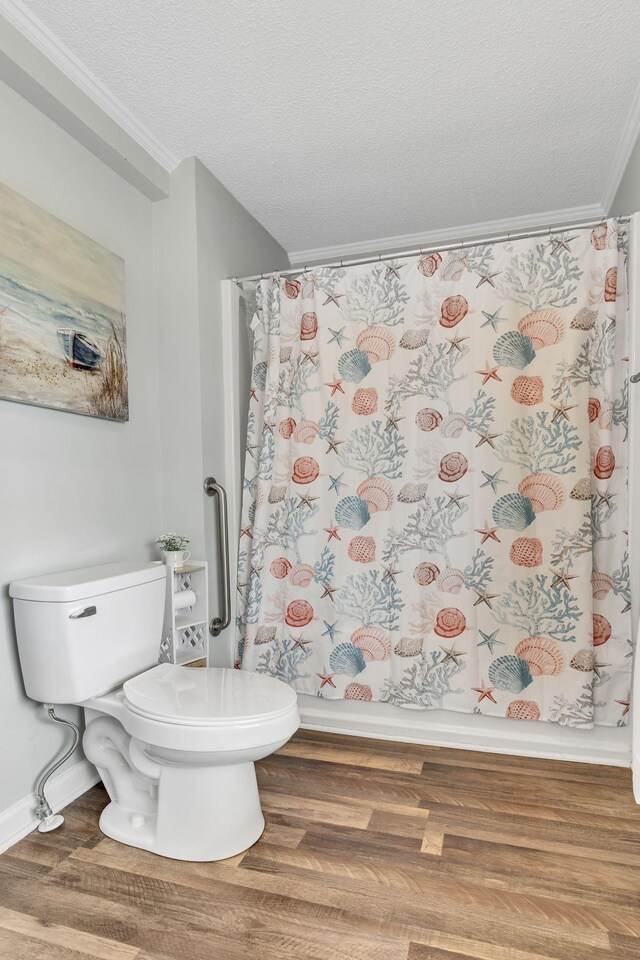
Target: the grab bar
(213, 489)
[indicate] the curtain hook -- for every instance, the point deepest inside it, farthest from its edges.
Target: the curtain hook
(462, 244)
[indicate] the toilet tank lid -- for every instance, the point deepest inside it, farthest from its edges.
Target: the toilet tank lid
(70, 585)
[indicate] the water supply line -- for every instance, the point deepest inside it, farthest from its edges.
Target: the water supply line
(48, 819)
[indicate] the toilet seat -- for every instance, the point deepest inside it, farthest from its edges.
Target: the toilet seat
(207, 710)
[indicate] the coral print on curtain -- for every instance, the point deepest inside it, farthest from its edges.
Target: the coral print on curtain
(435, 482)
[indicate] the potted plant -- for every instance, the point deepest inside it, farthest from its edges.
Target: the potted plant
(172, 548)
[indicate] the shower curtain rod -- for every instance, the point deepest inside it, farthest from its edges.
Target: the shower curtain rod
(457, 245)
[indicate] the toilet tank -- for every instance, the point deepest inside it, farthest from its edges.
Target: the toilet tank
(83, 632)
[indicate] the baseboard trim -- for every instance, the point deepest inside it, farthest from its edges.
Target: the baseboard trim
(608, 746)
(19, 820)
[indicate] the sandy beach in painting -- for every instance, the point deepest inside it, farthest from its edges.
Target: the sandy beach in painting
(52, 277)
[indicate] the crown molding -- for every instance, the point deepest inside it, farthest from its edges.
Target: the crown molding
(466, 232)
(38, 34)
(623, 152)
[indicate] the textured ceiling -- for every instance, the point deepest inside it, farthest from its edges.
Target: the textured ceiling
(338, 121)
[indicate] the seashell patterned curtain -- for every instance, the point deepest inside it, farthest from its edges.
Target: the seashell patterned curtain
(435, 502)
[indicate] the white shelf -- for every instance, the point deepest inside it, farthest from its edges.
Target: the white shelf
(183, 622)
(185, 635)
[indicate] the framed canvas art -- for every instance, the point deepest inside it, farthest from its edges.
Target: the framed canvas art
(62, 315)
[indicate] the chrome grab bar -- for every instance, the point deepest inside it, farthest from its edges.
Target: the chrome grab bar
(213, 489)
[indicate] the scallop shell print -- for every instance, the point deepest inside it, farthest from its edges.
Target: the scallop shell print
(527, 390)
(451, 581)
(601, 584)
(523, 710)
(453, 424)
(306, 432)
(526, 552)
(377, 493)
(365, 401)
(453, 268)
(544, 327)
(510, 673)
(513, 511)
(352, 512)
(301, 575)
(260, 375)
(345, 658)
(513, 349)
(377, 342)
(357, 691)
(362, 549)
(373, 642)
(543, 490)
(354, 365)
(543, 656)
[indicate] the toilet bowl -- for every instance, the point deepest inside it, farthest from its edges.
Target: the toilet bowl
(176, 751)
(175, 747)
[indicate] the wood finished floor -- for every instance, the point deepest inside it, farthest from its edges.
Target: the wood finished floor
(372, 850)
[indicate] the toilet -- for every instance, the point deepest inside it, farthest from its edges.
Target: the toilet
(175, 747)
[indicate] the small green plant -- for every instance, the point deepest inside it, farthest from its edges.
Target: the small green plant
(172, 541)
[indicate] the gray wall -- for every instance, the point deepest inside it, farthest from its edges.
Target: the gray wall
(202, 236)
(627, 199)
(73, 490)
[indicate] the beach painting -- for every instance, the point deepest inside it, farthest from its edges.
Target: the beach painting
(62, 315)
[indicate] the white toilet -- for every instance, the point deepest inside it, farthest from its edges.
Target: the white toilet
(175, 747)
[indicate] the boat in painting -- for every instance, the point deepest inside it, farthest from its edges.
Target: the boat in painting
(78, 350)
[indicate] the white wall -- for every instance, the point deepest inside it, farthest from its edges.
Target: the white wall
(627, 198)
(73, 490)
(76, 490)
(202, 236)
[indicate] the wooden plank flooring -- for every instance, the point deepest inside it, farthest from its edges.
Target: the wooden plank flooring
(372, 851)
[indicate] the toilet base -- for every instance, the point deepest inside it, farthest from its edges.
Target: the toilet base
(202, 814)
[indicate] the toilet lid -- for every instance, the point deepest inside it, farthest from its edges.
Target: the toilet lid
(206, 697)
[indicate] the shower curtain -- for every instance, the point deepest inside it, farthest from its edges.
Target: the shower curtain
(434, 508)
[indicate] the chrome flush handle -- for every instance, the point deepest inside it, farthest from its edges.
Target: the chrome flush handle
(81, 614)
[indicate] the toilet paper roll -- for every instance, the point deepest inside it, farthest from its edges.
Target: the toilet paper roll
(185, 598)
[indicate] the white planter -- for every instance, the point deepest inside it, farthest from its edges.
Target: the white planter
(175, 558)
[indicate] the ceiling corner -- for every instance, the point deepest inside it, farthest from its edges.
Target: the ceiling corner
(18, 16)
(626, 143)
